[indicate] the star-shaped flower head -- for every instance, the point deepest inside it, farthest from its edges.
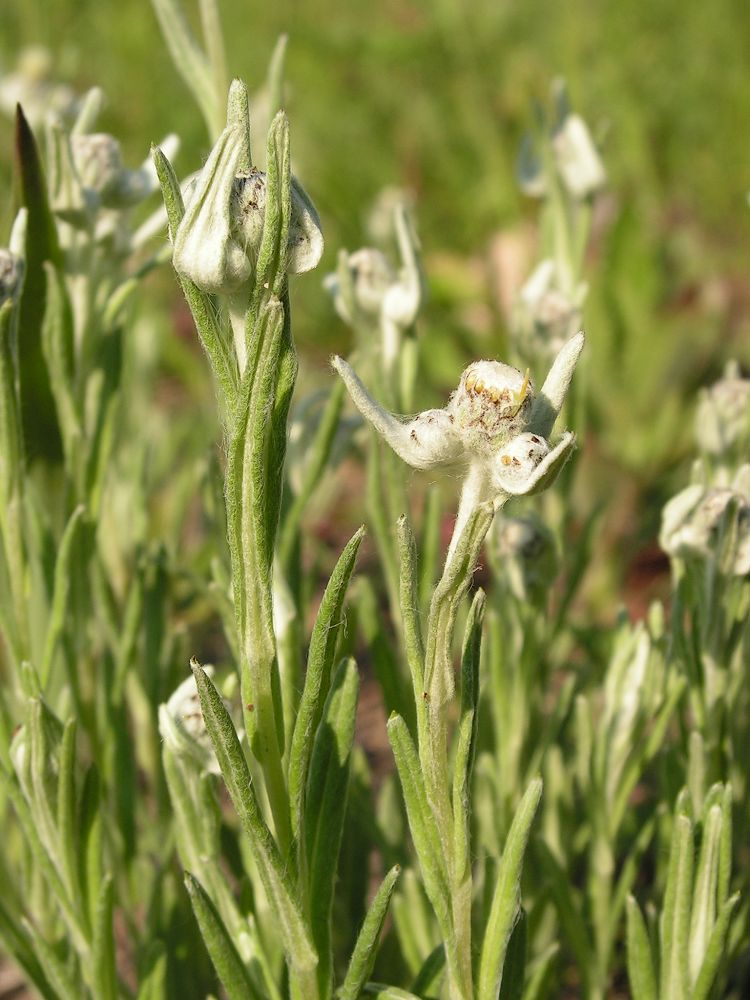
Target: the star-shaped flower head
(495, 425)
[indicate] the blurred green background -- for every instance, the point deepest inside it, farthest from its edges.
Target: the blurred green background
(434, 97)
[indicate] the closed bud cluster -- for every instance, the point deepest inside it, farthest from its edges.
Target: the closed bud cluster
(545, 316)
(572, 153)
(722, 422)
(220, 236)
(372, 295)
(31, 85)
(98, 160)
(577, 158)
(710, 524)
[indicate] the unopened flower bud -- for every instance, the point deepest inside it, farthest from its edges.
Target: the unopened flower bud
(31, 85)
(98, 160)
(519, 458)
(219, 238)
(722, 422)
(545, 317)
(698, 523)
(577, 158)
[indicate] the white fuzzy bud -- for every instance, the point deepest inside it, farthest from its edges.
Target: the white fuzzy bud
(698, 522)
(218, 241)
(722, 421)
(545, 317)
(518, 460)
(577, 158)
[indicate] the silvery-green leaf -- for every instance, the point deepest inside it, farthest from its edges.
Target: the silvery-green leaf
(365, 949)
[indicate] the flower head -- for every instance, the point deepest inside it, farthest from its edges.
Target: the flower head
(722, 421)
(494, 425)
(220, 236)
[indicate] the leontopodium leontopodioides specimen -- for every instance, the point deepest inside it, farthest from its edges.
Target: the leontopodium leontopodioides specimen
(220, 236)
(369, 292)
(495, 426)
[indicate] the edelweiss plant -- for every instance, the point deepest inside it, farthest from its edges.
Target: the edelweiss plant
(495, 426)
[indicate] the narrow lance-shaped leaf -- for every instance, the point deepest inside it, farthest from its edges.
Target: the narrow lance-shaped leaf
(429, 544)
(514, 967)
(427, 981)
(41, 433)
(213, 39)
(58, 347)
(640, 960)
(45, 734)
(675, 920)
(325, 808)
(541, 973)
(408, 594)
(275, 77)
(365, 949)
(11, 487)
(278, 433)
(319, 662)
(228, 964)
(43, 860)
(56, 971)
(315, 463)
(505, 902)
(104, 979)
(715, 952)
(66, 813)
(153, 982)
(272, 870)
(64, 574)
(704, 905)
(190, 62)
(90, 842)
(466, 738)
(421, 821)
(250, 507)
(19, 944)
(274, 247)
